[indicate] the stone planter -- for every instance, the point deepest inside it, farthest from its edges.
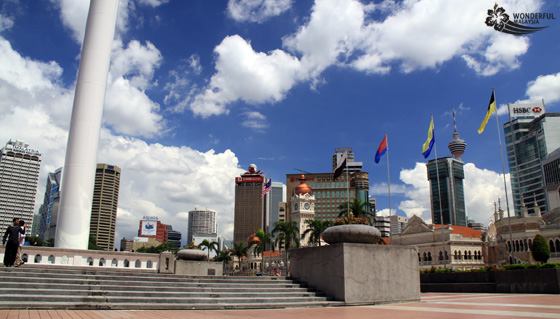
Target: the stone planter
(351, 233)
(191, 254)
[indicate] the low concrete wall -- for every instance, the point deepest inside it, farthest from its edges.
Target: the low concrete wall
(198, 268)
(359, 273)
(543, 281)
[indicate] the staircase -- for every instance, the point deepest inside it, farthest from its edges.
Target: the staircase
(86, 288)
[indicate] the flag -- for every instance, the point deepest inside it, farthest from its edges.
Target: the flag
(427, 147)
(266, 188)
(340, 166)
(381, 150)
(490, 111)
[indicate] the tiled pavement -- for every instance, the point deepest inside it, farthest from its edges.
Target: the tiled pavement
(433, 306)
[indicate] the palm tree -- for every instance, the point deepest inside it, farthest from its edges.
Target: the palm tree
(358, 209)
(260, 240)
(288, 232)
(225, 257)
(315, 229)
(240, 250)
(210, 246)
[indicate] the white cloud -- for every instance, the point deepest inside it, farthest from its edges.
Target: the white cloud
(256, 10)
(482, 188)
(545, 87)
(372, 38)
(6, 22)
(243, 74)
(255, 120)
(153, 3)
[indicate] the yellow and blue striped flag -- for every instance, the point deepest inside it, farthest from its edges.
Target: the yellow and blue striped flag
(427, 147)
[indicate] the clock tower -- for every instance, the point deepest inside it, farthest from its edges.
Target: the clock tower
(303, 206)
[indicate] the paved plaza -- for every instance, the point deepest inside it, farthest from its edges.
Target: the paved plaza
(433, 306)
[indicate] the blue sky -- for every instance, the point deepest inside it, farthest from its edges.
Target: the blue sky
(198, 90)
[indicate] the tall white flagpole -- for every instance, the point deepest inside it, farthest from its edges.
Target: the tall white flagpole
(439, 193)
(389, 189)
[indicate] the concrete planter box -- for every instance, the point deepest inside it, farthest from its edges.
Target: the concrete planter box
(359, 273)
(351, 233)
(544, 281)
(198, 268)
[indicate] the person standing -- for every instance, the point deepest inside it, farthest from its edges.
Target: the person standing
(18, 262)
(12, 236)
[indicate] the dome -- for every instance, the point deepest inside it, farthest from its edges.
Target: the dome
(303, 188)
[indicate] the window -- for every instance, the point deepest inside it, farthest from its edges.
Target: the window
(114, 263)
(51, 259)
(102, 262)
(137, 264)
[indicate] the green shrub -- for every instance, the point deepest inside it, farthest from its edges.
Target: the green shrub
(540, 249)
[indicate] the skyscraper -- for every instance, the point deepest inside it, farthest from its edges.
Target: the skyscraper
(19, 176)
(529, 140)
(202, 223)
(351, 166)
(250, 210)
(52, 192)
(275, 197)
(447, 181)
(173, 236)
(104, 205)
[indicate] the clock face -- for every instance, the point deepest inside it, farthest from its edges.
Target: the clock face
(296, 206)
(307, 206)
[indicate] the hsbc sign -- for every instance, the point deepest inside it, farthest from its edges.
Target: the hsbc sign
(526, 110)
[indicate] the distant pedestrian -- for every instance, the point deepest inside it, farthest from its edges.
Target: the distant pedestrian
(12, 236)
(18, 261)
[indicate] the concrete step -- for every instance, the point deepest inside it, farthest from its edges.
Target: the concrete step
(68, 288)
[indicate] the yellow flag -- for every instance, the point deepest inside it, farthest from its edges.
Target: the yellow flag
(491, 110)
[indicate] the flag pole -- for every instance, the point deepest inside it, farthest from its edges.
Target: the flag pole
(504, 172)
(439, 194)
(389, 189)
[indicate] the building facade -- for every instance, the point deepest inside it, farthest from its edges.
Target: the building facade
(52, 194)
(151, 227)
(303, 209)
(330, 193)
(104, 205)
(19, 176)
(551, 171)
(456, 247)
(202, 222)
(447, 181)
(250, 204)
(529, 141)
(275, 197)
(351, 165)
(174, 236)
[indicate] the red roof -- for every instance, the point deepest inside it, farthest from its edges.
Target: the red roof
(271, 253)
(463, 230)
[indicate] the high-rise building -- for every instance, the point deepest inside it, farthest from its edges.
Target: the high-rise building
(450, 187)
(275, 197)
(529, 140)
(351, 166)
(250, 205)
(173, 236)
(398, 223)
(104, 205)
(551, 170)
(202, 222)
(19, 176)
(52, 192)
(330, 193)
(446, 179)
(383, 224)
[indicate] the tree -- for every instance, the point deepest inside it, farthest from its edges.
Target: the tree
(540, 249)
(358, 209)
(210, 246)
(225, 257)
(259, 241)
(288, 232)
(158, 249)
(315, 228)
(35, 241)
(92, 244)
(240, 250)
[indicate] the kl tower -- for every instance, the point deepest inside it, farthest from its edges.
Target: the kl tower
(78, 175)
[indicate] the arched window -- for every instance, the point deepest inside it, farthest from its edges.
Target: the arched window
(517, 246)
(137, 264)
(90, 261)
(446, 255)
(114, 262)
(440, 255)
(149, 264)
(37, 259)
(102, 262)
(551, 245)
(126, 263)
(465, 255)
(455, 255)
(51, 259)
(429, 256)
(509, 247)
(24, 257)
(425, 257)
(557, 244)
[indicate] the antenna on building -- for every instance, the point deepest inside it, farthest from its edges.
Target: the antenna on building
(302, 171)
